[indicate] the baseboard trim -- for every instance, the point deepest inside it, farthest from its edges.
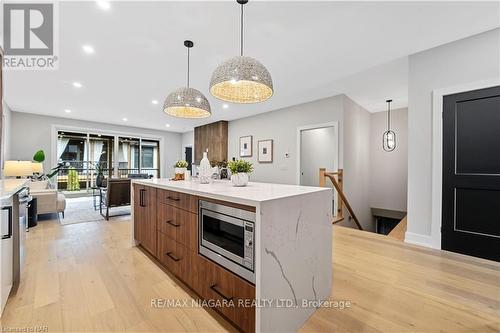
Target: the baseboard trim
(418, 239)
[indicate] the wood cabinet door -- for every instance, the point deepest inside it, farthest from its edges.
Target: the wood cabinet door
(138, 212)
(148, 232)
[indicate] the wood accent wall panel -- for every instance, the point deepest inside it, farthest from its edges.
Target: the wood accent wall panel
(212, 137)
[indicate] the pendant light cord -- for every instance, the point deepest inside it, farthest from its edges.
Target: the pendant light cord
(388, 116)
(241, 32)
(188, 70)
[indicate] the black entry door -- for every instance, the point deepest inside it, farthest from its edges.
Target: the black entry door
(189, 156)
(471, 173)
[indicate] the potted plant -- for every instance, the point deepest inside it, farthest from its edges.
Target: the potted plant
(239, 172)
(180, 169)
(99, 179)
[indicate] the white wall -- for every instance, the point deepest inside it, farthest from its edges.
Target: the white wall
(281, 126)
(356, 165)
(188, 139)
(6, 134)
(389, 170)
(461, 62)
(30, 132)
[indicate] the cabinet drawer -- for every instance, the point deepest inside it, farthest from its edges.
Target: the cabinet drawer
(176, 258)
(216, 285)
(167, 253)
(179, 200)
(178, 224)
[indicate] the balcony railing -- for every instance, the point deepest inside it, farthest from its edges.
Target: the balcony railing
(87, 173)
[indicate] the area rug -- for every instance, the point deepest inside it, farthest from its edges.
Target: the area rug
(81, 210)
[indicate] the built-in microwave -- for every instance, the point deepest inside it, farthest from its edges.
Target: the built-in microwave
(226, 236)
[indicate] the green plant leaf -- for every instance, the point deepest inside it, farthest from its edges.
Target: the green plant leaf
(39, 156)
(240, 166)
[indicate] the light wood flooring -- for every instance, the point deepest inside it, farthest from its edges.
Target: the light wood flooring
(87, 277)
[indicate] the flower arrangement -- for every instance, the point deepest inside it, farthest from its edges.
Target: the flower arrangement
(180, 169)
(181, 164)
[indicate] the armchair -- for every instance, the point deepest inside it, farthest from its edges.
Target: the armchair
(48, 200)
(117, 194)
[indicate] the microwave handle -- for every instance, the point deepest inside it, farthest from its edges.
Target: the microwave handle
(9, 212)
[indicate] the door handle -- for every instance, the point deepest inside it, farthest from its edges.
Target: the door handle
(173, 224)
(173, 199)
(142, 203)
(172, 256)
(9, 235)
(214, 288)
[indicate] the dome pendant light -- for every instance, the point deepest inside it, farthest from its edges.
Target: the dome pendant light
(241, 79)
(389, 137)
(187, 102)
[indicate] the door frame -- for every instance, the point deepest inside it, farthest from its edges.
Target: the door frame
(437, 151)
(300, 129)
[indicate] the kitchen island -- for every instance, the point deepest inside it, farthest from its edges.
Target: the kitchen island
(263, 252)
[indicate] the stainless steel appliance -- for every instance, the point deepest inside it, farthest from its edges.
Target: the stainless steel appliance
(14, 218)
(226, 236)
(20, 225)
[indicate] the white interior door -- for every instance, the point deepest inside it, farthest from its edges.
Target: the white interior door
(318, 149)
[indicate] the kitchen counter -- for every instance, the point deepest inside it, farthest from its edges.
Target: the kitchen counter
(252, 194)
(292, 240)
(9, 187)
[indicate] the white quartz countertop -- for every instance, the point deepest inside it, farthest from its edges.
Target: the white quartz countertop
(251, 194)
(9, 187)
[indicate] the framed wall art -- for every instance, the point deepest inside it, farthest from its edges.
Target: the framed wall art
(246, 146)
(265, 148)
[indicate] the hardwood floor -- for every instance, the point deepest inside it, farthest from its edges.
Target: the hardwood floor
(87, 277)
(395, 287)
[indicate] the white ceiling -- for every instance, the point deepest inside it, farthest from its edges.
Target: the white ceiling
(312, 49)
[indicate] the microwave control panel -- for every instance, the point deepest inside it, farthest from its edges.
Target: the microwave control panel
(249, 245)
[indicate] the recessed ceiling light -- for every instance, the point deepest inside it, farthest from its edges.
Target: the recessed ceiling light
(88, 49)
(225, 106)
(154, 101)
(168, 125)
(104, 5)
(67, 110)
(124, 119)
(77, 84)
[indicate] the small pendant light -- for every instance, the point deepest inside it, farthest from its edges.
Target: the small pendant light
(389, 137)
(187, 102)
(241, 79)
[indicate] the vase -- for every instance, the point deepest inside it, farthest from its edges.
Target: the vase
(205, 171)
(99, 179)
(179, 173)
(239, 179)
